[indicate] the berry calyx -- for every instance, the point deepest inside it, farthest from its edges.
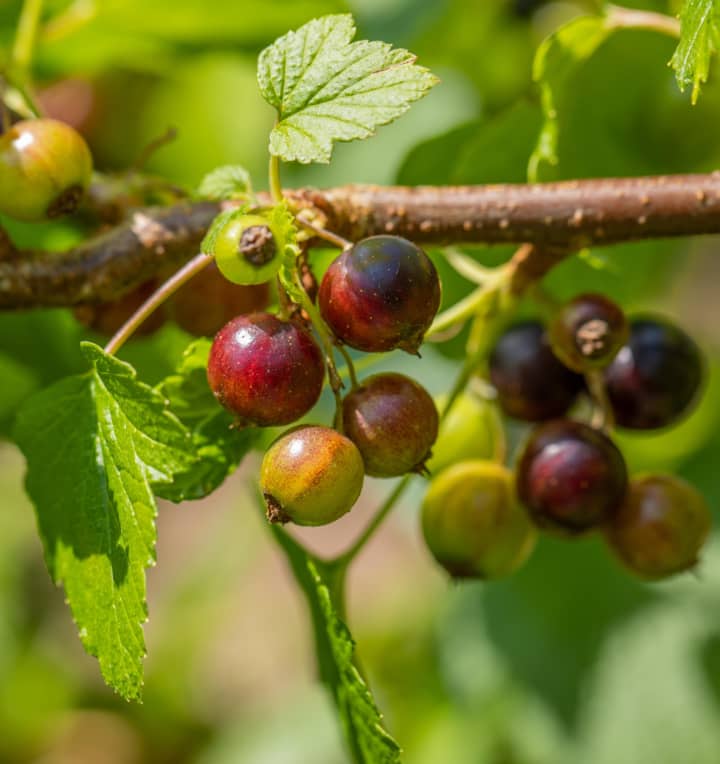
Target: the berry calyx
(473, 523)
(570, 476)
(380, 294)
(587, 332)
(655, 377)
(530, 381)
(393, 422)
(661, 526)
(265, 370)
(246, 250)
(45, 169)
(311, 475)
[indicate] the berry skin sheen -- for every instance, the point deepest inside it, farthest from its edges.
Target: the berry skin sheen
(264, 370)
(473, 523)
(393, 422)
(571, 477)
(655, 378)
(311, 475)
(380, 294)
(45, 169)
(660, 528)
(531, 383)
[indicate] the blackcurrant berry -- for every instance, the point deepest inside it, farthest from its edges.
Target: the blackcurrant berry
(45, 169)
(470, 431)
(473, 523)
(380, 294)
(660, 527)
(531, 383)
(655, 378)
(570, 476)
(246, 250)
(264, 370)
(393, 422)
(587, 332)
(311, 475)
(207, 302)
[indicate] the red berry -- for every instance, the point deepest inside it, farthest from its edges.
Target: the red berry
(570, 476)
(381, 294)
(587, 332)
(45, 168)
(393, 422)
(264, 370)
(660, 527)
(531, 383)
(311, 476)
(655, 378)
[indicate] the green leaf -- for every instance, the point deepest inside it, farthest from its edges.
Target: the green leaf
(555, 60)
(227, 182)
(699, 40)
(367, 739)
(94, 443)
(327, 88)
(219, 446)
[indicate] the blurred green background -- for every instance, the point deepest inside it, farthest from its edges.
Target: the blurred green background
(569, 661)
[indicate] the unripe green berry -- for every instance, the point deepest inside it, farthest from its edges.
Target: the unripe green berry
(311, 475)
(473, 523)
(45, 168)
(471, 430)
(246, 250)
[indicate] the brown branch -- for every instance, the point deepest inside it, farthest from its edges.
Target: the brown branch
(556, 217)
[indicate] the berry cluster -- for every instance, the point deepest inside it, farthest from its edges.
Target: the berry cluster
(378, 295)
(570, 476)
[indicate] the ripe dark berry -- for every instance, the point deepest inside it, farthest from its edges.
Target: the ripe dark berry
(311, 476)
(45, 169)
(393, 422)
(531, 383)
(246, 250)
(473, 523)
(570, 476)
(655, 378)
(381, 294)
(660, 527)
(206, 303)
(264, 370)
(587, 332)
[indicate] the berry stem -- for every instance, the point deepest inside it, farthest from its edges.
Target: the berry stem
(274, 177)
(467, 267)
(630, 18)
(349, 365)
(344, 559)
(24, 45)
(602, 418)
(156, 300)
(323, 233)
(467, 307)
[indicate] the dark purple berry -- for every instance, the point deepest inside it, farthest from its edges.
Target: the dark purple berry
(393, 422)
(570, 476)
(660, 527)
(265, 370)
(531, 383)
(587, 332)
(380, 294)
(655, 378)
